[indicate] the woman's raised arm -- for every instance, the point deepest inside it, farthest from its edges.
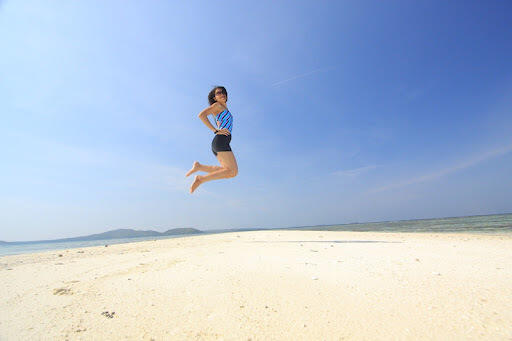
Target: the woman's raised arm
(213, 109)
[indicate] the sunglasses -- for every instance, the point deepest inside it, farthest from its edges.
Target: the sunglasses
(219, 93)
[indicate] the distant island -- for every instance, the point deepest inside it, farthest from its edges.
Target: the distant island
(117, 234)
(501, 222)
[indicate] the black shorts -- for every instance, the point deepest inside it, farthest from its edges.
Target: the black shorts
(220, 143)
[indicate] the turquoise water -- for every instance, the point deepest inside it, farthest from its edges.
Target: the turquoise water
(32, 247)
(495, 224)
(501, 223)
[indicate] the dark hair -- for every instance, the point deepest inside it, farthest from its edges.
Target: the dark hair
(211, 95)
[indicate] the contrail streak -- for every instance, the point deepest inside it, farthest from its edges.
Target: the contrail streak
(300, 76)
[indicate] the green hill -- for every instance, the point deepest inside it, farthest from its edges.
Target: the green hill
(128, 233)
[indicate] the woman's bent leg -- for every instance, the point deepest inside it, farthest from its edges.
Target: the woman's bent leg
(197, 167)
(209, 169)
(228, 169)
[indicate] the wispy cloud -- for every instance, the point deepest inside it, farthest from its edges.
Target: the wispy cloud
(355, 172)
(164, 177)
(300, 76)
(448, 170)
(132, 171)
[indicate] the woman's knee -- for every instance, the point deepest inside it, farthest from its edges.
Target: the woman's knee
(233, 172)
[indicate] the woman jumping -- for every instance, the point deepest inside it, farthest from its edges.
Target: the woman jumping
(220, 144)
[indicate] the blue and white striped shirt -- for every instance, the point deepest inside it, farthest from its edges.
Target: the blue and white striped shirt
(224, 120)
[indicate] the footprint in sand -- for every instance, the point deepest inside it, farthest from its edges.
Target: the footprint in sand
(62, 291)
(108, 315)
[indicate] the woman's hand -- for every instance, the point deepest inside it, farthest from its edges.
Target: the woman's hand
(223, 131)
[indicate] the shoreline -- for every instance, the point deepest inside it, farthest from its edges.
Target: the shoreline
(504, 233)
(269, 284)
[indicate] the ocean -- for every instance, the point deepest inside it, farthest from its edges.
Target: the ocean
(496, 224)
(491, 224)
(17, 248)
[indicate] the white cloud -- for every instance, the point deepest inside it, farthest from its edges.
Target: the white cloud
(448, 170)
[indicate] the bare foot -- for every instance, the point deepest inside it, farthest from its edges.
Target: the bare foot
(195, 168)
(195, 184)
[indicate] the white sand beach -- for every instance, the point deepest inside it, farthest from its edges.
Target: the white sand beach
(265, 285)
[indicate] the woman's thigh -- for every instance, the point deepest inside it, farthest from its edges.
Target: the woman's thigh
(227, 160)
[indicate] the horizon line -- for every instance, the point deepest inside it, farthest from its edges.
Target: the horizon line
(262, 228)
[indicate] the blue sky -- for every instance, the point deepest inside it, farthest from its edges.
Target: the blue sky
(343, 111)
